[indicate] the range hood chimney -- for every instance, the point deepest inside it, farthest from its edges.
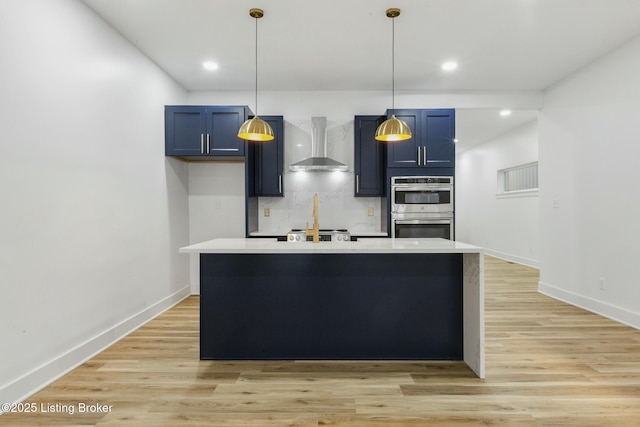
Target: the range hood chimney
(318, 162)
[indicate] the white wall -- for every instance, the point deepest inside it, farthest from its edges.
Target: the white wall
(92, 213)
(216, 207)
(589, 151)
(506, 226)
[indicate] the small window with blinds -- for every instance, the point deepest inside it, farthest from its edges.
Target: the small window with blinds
(521, 179)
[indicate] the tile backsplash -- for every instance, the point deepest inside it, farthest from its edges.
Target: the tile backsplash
(337, 206)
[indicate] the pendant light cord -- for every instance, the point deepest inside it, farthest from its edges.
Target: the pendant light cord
(393, 65)
(256, 66)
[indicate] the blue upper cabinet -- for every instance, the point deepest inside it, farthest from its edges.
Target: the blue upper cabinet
(266, 161)
(368, 157)
(432, 145)
(204, 131)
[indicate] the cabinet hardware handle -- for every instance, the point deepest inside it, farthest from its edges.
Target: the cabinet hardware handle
(208, 140)
(418, 155)
(280, 184)
(424, 155)
(202, 143)
(357, 184)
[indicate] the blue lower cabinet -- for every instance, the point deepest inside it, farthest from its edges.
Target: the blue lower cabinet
(331, 306)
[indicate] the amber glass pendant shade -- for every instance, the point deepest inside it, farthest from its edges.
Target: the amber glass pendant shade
(393, 130)
(256, 129)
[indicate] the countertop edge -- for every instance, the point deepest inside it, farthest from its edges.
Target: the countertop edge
(366, 246)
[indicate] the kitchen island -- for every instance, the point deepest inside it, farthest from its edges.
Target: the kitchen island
(375, 298)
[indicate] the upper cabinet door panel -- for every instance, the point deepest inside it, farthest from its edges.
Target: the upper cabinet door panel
(403, 154)
(269, 160)
(185, 131)
(368, 157)
(439, 129)
(223, 124)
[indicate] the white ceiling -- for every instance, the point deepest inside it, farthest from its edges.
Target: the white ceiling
(500, 45)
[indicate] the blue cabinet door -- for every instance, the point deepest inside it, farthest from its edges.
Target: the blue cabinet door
(368, 157)
(439, 131)
(404, 154)
(223, 124)
(185, 130)
(268, 160)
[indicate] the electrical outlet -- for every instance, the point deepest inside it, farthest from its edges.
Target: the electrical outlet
(370, 212)
(267, 212)
(602, 284)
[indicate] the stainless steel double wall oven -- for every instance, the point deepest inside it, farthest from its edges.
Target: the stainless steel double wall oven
(422, 206)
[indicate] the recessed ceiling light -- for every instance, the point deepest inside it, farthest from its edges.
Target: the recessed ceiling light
(449, 66)
(455, 139)
(210, 65)
(505, 113)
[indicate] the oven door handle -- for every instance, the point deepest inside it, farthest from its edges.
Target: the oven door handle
(401, 187)
(422, 221)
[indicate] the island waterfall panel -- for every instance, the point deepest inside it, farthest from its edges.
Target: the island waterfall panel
(331, 306)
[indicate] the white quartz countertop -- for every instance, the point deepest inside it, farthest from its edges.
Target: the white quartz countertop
(353, 233)
(368, 245)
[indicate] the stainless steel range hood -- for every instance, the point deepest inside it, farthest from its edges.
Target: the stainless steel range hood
(318, 162)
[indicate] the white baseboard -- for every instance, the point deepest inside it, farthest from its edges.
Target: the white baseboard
(604, 309)
(514, 258)
(44, 375)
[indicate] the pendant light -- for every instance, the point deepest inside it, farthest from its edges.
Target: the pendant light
(393, 129)
(256, 129)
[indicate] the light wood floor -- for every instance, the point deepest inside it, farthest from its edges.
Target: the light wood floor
(548, 364)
